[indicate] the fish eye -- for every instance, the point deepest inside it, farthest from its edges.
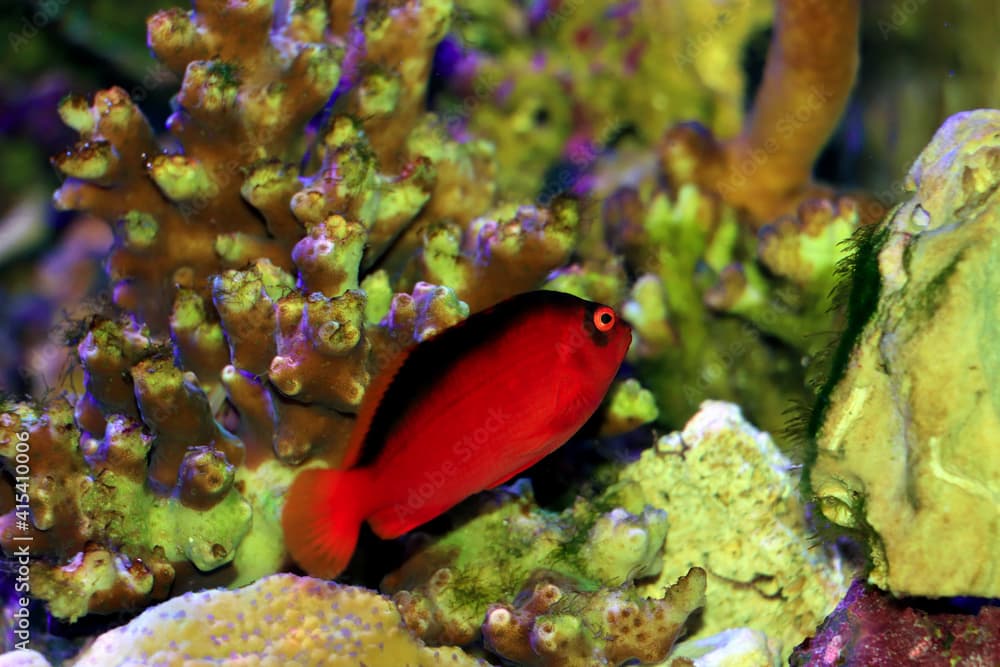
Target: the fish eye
(604, 319)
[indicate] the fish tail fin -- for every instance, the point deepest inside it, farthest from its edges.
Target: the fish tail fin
(322, 517)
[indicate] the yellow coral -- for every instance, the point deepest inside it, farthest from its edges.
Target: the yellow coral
(280, 620)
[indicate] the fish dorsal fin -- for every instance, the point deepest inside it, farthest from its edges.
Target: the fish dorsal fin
(426, 362)
(369, 405)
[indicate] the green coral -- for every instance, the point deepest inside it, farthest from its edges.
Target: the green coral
(734, 510)
(442, 602)
(715, 308)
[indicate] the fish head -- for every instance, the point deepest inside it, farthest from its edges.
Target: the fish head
(597, 341)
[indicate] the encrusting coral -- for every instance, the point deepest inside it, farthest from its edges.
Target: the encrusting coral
(903, 440)
(264, 268)
(26, 658)
(280, 620)
(731, 509)
(734, 510)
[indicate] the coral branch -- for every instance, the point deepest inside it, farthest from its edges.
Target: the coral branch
(766, 171)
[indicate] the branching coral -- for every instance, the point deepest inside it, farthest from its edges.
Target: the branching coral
(271, 255)
(715, 309)
(282, 619)
(552, 626)
(86, 495)
(732, 246)
(641, 67)
(268, 259)
(766, 170)
(443, 591)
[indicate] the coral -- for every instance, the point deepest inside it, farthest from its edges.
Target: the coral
(26, 658)
(504, 256)
(716, 307)
(729, 246)
(766, 170)
(273, 251)
(871, 628)
(739, 647)
(564, 80)
(281, 619)
(802, 254)
(559, 81)
(246, 243)
(90, 492)
(732, 510)
(443, 591)
(553, 626)
(629, 406)
(903, 438)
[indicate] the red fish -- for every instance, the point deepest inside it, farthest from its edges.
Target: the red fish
(459, 413)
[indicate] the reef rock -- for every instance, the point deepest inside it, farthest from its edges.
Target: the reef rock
(872, 629)
(906, 434)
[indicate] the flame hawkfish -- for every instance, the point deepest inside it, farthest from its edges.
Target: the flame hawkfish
(461, 412)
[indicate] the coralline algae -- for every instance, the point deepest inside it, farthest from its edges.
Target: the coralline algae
(871, 628)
